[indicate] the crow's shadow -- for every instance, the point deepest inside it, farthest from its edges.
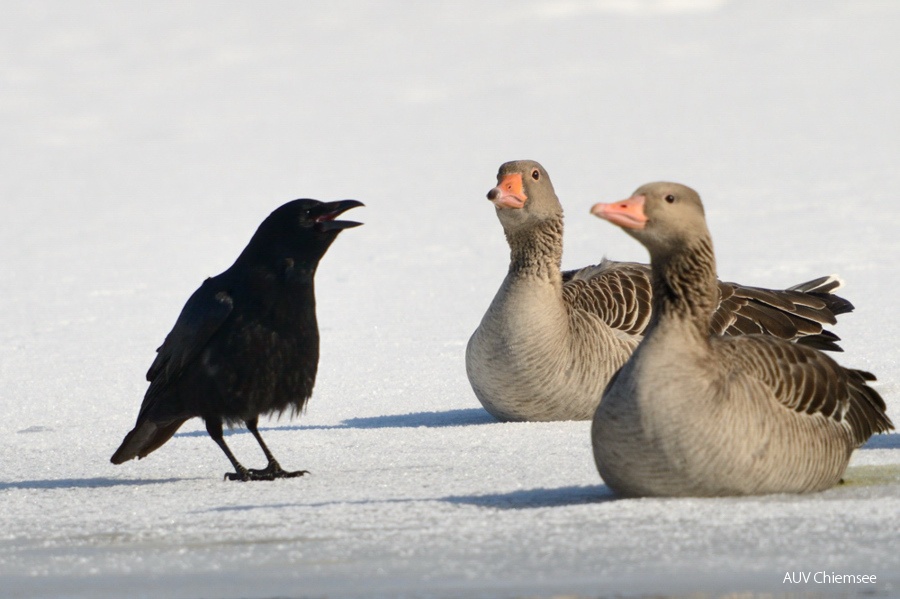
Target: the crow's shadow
(461, 417)
(86, 483)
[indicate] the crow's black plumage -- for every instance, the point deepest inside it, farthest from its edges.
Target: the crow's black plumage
(246, 342)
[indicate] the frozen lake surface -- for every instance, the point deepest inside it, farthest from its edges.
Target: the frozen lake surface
(143, 143)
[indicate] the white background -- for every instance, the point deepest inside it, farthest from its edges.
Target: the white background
(142, 143)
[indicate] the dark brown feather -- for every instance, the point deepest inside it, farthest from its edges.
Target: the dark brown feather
(620, 294)
(807, 381)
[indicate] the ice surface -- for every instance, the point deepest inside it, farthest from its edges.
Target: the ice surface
(141, 145)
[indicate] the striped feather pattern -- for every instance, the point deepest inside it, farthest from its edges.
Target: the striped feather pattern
(620, 293)
(805, 380)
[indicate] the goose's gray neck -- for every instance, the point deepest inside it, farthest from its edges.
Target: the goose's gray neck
(536, 251)
(685, 287)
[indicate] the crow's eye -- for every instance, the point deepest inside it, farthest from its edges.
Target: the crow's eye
(670, 198)
(536, 174)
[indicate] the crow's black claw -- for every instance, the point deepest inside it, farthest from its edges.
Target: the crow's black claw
(240, 476)
(273, 471)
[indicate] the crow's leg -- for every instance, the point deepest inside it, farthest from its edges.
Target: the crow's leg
(273, 470)
(214, 428)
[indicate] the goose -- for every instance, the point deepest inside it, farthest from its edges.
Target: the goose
(550, 340)
(697, 414)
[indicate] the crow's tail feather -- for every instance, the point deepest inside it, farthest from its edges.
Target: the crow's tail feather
(145, 438)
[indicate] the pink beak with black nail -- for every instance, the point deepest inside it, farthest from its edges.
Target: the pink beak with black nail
(628, 214)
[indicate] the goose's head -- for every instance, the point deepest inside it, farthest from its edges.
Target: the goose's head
(524, 195)
(662, 216)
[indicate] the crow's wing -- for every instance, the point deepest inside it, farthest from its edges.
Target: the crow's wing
(203, 314)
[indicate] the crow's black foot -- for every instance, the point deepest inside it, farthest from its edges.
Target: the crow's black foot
(241, 475)
(273, 471)
(244, 474)
(252, 475)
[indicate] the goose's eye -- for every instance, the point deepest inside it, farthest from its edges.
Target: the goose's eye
(670, 199)
(536, 174)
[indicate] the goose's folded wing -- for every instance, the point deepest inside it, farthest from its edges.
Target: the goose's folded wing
(799, 313)
(618, 292)
(809, 382)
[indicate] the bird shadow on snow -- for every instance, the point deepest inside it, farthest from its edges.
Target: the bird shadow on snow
(538, 498)
(525, 499)
(85, 483)
(886, 441)
(461, 417)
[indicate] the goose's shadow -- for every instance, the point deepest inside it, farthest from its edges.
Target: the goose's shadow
(884, 441)
(538, 498)
(515, 500)
(461, 417)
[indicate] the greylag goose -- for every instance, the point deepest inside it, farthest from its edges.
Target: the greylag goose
(695, 414)
(550, 340)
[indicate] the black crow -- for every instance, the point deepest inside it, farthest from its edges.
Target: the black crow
(246, 342)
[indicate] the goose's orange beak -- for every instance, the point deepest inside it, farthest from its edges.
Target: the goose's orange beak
(627, 213)
(509, 192)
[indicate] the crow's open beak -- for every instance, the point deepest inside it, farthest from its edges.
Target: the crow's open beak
(329, 211)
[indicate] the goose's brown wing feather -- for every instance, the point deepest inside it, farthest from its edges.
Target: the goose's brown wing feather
(807, 381)
(620, 294)
(799, 313)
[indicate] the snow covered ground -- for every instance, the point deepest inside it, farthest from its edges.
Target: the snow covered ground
(141, 145)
